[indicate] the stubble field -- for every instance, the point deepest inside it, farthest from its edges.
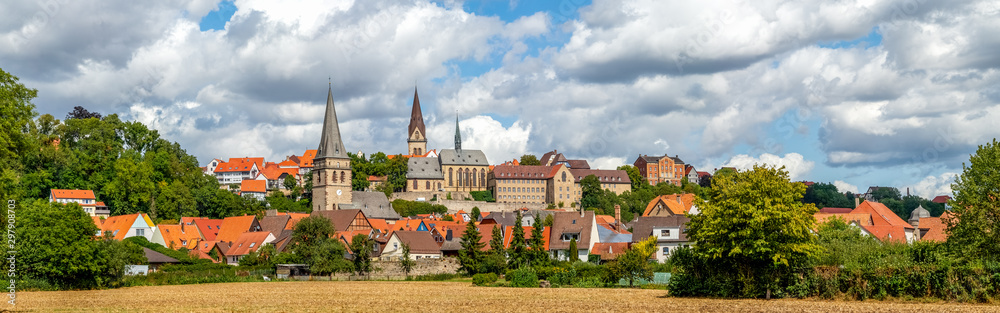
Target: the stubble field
(381, 296)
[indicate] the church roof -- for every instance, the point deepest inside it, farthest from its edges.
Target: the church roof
(424, 168)
(463, 157)
(330, 145)
(416, 117)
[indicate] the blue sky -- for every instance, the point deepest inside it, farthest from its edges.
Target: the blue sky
(860, 94)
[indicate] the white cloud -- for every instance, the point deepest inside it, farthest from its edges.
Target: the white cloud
(933, 186)
(843, 186)
(500, 143)
(794, 163)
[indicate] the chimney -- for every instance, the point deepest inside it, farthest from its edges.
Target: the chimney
(679, 201)
(618, 216)
(856, 202)
(907, 191)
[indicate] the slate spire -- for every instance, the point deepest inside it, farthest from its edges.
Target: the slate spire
(416, 117)
(458, 135)
(330, 145)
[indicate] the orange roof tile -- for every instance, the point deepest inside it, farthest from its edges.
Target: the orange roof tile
(232, 227)
(176, 236)
(306, 160)
(239, 165)
(72, 194)
(887, 233)
(248, 242)
(609, 250)
(936, 229)
(607, 219)
(119, 225)
(863, 219)
(206, 245)
(288, 163)
(294, 218)
(670, 203)
(253, 186)
(379, 224)
(97, 221)
(881, 215)
(272, 171)
(209, 228)
(508, 235)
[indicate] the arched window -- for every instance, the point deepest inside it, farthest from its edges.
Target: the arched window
(414, 184)
(439, 185)
(428, 184)
(475, 173)
(451, 172)
(482, 178)
(467, 177)
(342, 177)
(564, 176)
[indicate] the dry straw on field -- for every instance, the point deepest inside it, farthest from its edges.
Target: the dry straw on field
(427, 296)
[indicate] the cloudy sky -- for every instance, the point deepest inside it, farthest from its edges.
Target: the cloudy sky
(861, 93)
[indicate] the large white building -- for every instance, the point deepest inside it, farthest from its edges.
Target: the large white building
(85, 198)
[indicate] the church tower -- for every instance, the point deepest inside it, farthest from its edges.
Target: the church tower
(416, 140)
(458, 136)
(332, 165)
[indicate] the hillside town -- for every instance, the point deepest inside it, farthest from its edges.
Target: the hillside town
(547, 194)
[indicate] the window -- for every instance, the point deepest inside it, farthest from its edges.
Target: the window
(664, 233)
(414, 184)
(428, 185)
(252, 244)
(395, 245)
(570, 236)
(666, 250)
(139, 232)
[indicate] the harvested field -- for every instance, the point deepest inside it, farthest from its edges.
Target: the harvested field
(427, 296)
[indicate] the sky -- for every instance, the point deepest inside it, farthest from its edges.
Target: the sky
(856, 93)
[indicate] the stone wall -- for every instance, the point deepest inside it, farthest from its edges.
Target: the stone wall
(390, 270)
(456, 205)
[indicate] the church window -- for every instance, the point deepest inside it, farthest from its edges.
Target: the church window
(342, 177)
(450, 173)
(428, 185)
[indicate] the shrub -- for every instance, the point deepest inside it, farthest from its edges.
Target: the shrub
(485, 195)
(562, 276)
(524, 277)
(484, 279)
(434, 277)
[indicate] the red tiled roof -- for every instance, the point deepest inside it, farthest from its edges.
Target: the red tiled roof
(609, 250)
(935, 229)
(863, 219)
(248, 242)
(508, 234)
(176, 236)
(294, 218)
(887, 233)
(524, 171)
(97, 221)
(670, 203)
(232, 227)
(379, 224)
(119, 225)
(253, 186)
(941, 199)
(72, 194)
(836, 210)
(288, 163)
(881, 215)
(209, 228)
(239, 165)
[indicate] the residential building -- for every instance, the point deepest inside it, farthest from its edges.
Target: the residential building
(567, 226)
(609, 251)
(246, 243)
(209, 168)
(332, 165)
(670, 233)
(131, 225)
(691, 173)
(416, 140)
(657, 169)
(238, 169)
(85, 198)
(346, 220)
(208, 229)
(374, 205)
(254, 188)
(275, 174)
(422, 245)
(233, 226)
(177, 236)
(669, 205)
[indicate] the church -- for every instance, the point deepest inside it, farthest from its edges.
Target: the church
(332, 174)
(455, 169)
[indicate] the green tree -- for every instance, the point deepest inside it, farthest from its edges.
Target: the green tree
(883, 193)
(55, 242)
(826, 195)
(132, 188)
(539, 255)
(592, 192)
(405, 263)
(974, 223)
(471, 254)
(361, 245)
(634, 264)
(530, 159)
(289, 182)
(263, 257)
(572, 254)
(476, 214)
(17, 112)
(175, 201)
(755, 222)
(548, 221)
(518, 250)
(638, 181)
(312, 241)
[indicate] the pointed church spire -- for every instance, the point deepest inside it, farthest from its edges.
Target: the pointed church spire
(330, 145)
(458, 135)
(416, 117)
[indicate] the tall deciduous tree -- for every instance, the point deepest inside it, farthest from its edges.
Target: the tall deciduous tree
(361, 245)
(17, 112)
(405, 263)
(313, 242)
(638, 181)
(974, 221)
(471, 254)
(634, 263)
(755, 222)
(530, 159)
